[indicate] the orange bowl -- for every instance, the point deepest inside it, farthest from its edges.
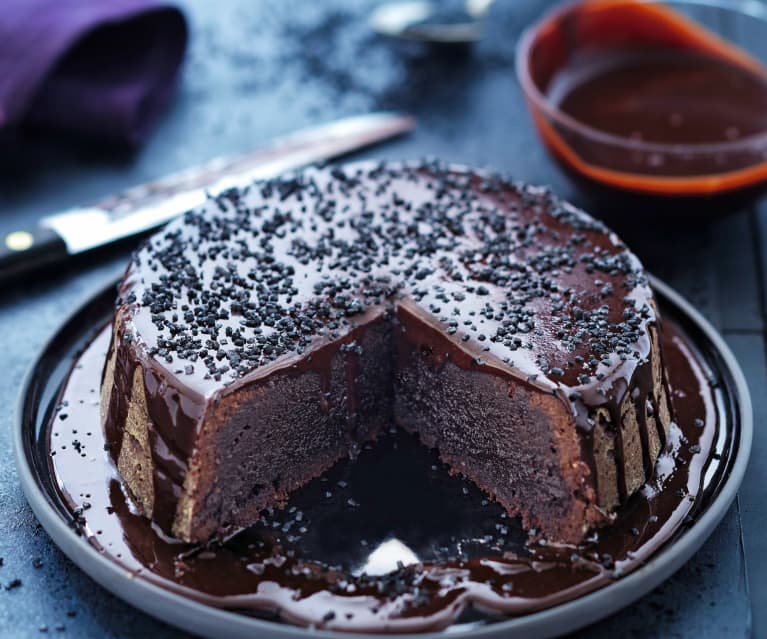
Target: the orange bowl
(712, 176)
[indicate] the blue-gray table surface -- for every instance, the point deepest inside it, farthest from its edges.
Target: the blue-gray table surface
(259, 69)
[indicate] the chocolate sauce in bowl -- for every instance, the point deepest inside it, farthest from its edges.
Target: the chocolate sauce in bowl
(646, 107)
(390, 542)
(665, 96)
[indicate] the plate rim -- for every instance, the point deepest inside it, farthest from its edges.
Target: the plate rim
(201, 619)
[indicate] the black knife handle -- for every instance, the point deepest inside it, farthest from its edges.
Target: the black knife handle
(24, 251)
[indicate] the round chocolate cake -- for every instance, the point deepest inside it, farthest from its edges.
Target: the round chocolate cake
(263, 337)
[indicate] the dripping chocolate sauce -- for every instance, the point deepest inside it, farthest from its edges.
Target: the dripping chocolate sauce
(329, 559)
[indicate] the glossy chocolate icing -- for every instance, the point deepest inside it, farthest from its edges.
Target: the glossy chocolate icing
(281, 278)
(470, 553)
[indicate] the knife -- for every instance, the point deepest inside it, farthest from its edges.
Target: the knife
(148, 206)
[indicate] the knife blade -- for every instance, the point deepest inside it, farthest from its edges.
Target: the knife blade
(148, 206)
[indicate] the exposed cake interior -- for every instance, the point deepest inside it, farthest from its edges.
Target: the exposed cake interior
(260, 339)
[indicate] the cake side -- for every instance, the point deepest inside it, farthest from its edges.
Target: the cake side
(562, 464)
(264, 439)
(150, 420)
(514, 441)
(203, 467)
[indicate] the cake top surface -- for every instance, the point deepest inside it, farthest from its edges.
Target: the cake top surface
(513, 276)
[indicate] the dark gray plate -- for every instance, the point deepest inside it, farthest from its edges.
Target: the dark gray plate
(50, 369)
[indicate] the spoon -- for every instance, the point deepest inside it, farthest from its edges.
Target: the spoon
(422, 21)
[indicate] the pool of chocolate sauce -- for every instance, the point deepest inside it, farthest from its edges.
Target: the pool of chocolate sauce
(389, 542)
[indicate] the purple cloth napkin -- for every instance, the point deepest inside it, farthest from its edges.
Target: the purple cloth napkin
(98, 68)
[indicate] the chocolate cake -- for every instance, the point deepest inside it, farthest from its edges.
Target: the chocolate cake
(263, 337)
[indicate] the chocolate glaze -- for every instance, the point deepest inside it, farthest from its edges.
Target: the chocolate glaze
(522, 286)
(471, 553)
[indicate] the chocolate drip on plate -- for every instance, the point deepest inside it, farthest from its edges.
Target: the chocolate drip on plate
(282, 565)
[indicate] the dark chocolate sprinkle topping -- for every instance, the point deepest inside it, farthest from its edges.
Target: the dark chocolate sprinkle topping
(269, 271)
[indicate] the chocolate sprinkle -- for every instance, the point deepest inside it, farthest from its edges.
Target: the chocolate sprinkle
(266, 271)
